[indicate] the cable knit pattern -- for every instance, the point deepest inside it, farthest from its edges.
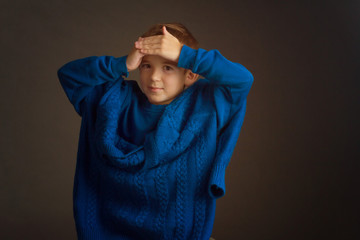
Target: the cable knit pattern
(92, 199)
(199, 201)
(139, 180)
(112, 146)
(180, 198)
(146, 171)
(162, 192)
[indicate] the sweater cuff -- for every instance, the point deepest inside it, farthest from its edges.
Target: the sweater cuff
(187, 57)
(119, 65)
(216, 186)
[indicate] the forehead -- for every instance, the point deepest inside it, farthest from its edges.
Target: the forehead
(155, 59)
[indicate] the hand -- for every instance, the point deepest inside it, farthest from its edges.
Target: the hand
(166, 46)
(134, 59)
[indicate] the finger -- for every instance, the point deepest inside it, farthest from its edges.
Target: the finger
(150, 46)
(151, 51)
(140, 53)
(164, 30)
(152, 39)
(141, 44)
(137, 45)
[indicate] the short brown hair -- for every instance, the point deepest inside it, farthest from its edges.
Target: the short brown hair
(178, 30)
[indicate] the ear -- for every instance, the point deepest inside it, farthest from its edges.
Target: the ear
(190, 78)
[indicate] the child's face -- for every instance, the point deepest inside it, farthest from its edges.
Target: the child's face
(161, 80)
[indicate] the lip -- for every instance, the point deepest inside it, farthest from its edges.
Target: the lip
(155, 89)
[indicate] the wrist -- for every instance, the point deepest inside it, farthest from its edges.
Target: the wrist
(128, 68)
(179, 52)
(187, 57)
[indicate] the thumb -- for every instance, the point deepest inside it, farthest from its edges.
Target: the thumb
(164, 30)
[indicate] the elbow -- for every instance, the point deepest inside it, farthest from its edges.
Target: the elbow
(245, 75)
(61, 73)
(250, 78)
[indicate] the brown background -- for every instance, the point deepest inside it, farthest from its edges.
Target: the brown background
(295, 170)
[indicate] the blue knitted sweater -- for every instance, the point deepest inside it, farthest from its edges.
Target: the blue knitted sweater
(149, 171)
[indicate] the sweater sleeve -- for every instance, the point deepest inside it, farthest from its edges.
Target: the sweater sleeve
(215, 67)
(232, 83)
(80, 77)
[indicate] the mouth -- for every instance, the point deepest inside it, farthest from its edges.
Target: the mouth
(155, 89)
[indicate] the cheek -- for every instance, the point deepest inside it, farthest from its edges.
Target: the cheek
(142, 78)
(174, 85)
(142, 83)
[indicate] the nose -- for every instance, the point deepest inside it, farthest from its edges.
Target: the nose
(156, 75)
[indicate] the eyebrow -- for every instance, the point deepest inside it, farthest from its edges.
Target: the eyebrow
(170, 63)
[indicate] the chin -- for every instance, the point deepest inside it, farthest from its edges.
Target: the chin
(159, 102)
(155, 102)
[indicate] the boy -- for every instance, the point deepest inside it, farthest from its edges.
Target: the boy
(152, 155)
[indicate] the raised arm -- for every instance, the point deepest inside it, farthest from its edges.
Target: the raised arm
(210, 64)
(78, 78)
(215, 67)
(232, 83)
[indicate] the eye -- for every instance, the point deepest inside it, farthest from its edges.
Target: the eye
(167, 68)
(144, 66)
